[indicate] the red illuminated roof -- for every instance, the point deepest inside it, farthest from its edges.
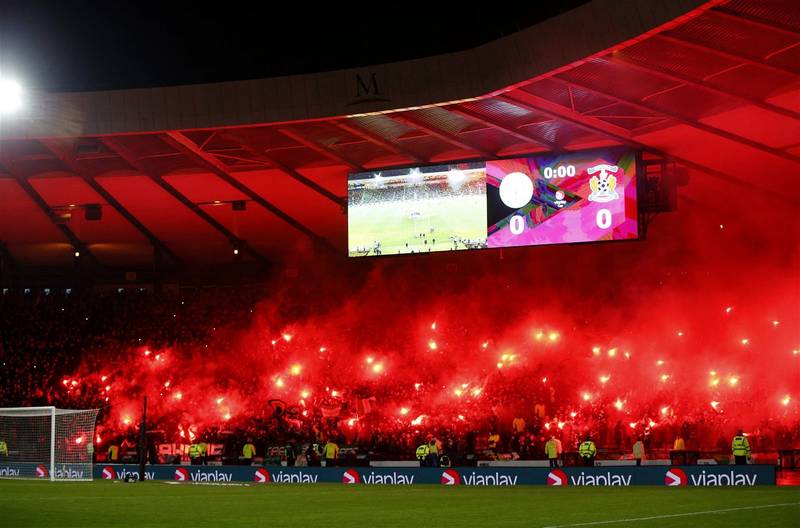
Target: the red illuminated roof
(714, 86)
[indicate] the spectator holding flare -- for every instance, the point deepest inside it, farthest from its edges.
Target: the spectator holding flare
(679, 444)
(248, 452)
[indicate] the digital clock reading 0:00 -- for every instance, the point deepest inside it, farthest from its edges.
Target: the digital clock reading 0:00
(562, 171)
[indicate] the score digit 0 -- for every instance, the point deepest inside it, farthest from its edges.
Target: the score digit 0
(517, 225)
(603, 218)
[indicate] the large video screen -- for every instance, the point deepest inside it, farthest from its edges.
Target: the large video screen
(585, 196)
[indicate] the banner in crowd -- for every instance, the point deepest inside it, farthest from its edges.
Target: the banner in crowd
(750, 475)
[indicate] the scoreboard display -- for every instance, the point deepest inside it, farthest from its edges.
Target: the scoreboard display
(580, 196)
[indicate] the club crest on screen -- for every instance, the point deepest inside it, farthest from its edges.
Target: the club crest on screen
(603, 183)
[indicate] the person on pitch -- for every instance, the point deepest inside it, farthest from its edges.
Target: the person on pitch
(422, 454)
(195, 454)
(638, 451)
(248, 452)
(741, 448)
(433, 451)
(551, 450)
(331, 453)
(313, 455)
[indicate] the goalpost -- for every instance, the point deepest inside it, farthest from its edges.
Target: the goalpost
(47, 443)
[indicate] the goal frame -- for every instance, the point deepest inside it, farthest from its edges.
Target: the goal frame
(52, 465)
(52, 412)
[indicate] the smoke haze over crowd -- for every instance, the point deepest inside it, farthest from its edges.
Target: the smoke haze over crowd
(697, 323)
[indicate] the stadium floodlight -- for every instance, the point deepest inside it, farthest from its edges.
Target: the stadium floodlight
(47, 443)
(10, 96)
(456, 178)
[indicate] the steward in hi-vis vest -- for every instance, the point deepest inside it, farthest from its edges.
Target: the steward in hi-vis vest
(422, 455)
(741, 448)
(587, 450)
(195, 454)
(638, 451)
(551, 449)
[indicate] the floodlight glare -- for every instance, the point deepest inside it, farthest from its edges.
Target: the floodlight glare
(10, 96)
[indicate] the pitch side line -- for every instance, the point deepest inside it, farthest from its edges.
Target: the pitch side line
(706, 512)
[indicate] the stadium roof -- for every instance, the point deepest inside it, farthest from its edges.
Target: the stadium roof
(712, 85)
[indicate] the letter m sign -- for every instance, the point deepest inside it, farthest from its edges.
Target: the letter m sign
(367, 89)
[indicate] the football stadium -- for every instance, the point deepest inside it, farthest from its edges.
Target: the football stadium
(540, 269)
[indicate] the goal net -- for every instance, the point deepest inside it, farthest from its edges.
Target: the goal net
(46, 443)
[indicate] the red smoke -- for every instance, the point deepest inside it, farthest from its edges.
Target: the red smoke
(645, 333)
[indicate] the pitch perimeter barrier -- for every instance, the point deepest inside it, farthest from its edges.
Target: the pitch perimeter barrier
(750, 475)
(35, 470)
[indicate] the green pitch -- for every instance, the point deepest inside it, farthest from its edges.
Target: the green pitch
(157, 504)
(399, 223)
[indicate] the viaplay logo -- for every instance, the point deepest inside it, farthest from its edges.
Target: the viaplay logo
(41, 471)
(181, 475)
(109, 473)
(675, 477)
(261, 476)
(450, 477)
(557, 478)
(351, 476)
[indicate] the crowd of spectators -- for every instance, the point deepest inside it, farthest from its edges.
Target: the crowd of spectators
(45, 336)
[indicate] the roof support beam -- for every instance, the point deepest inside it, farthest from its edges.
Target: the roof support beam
(475, 116)
(76, 242)
(356, 130)
(66, 157)
(263, 157)
(685, 120)
(7, 260)
(537, 104)
(729, 14)
(115, 145)
(753, 61)
(190, 148)
(322, 149)
(436, 132)
(688, 81)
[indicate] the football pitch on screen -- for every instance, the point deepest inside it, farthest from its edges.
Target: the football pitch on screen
(162, 504)
(421, 226)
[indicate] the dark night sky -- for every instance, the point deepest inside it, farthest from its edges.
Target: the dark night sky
(75, 45)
